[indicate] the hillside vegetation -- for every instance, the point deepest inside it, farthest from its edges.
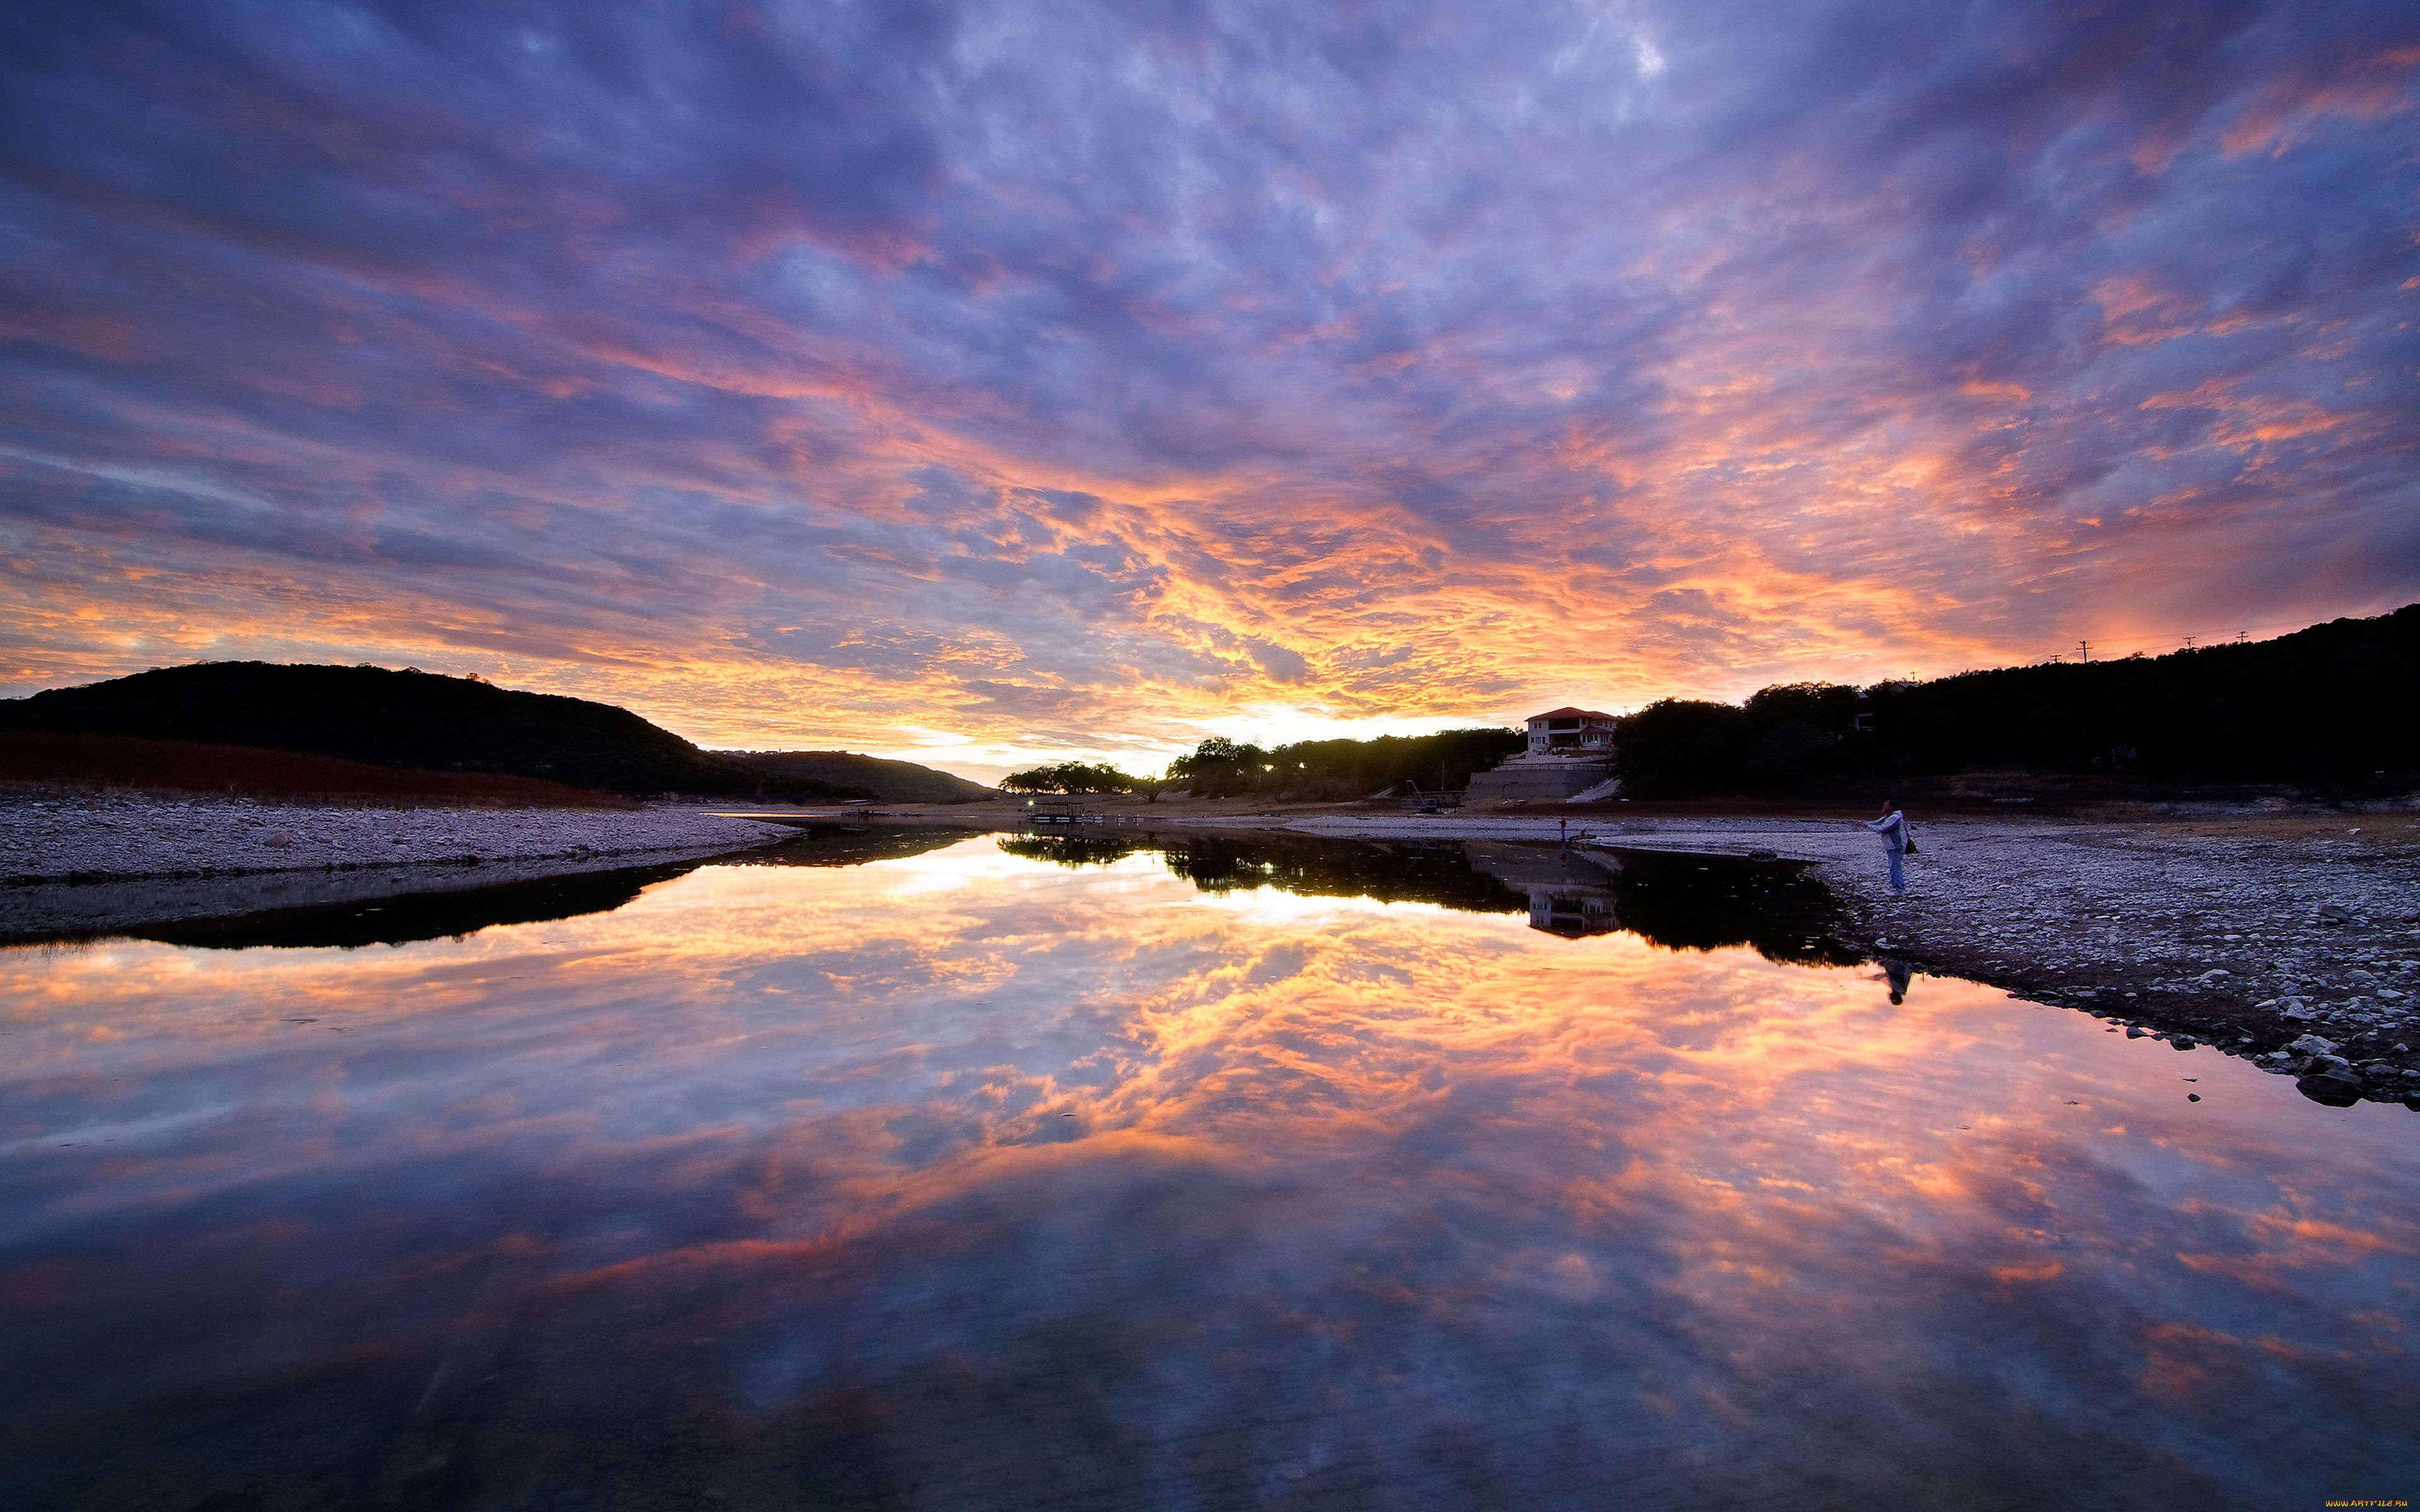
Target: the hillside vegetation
(891, 781)
(247, 771)
(1333, 769)
(2331, 706)
(405, 720)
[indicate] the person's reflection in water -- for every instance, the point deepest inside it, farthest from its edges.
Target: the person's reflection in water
(1896, 973)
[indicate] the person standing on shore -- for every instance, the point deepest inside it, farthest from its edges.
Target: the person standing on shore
(1897, 841)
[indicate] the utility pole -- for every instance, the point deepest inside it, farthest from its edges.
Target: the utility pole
(2189, 642)
(2083, 650)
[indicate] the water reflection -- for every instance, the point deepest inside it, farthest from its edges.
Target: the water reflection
(1680, 902)
(955, 1180)
(404, 917)
(1676, 900)
(1569, 894)
(1898, 973)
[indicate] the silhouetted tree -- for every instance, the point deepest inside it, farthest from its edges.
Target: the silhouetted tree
(1219, 767)
(1069, 777)
(1684, 748)
(1806, 735)
(1333, 769)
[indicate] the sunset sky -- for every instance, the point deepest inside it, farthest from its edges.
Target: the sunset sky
(991, 382)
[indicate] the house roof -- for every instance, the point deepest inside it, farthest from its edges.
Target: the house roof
(1568, 712)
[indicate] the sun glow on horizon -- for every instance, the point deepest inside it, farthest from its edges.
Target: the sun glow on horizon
(993, 441)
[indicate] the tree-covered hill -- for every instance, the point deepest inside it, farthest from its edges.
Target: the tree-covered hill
(2334, 705)
(891, 781)
(408, 719)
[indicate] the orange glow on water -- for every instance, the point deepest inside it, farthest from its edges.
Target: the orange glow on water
(758, 1092)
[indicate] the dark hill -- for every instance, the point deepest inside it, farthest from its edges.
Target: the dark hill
(891, 781)
(2330, 704)
(2332, 707)
(190, 766)
(404, 720)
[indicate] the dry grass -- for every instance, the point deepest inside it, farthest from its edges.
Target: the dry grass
(185, 766)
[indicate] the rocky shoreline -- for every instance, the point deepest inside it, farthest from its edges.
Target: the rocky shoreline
(81, 863)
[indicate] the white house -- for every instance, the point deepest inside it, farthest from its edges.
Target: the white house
(1569, 751)
(1569, 731)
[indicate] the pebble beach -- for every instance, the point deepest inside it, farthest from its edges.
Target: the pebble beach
(73, 862)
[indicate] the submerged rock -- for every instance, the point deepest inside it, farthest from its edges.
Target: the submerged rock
(2337, 1089)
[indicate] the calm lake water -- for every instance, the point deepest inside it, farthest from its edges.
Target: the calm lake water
(934, 1171)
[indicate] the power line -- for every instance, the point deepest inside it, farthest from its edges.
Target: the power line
(2193, 641)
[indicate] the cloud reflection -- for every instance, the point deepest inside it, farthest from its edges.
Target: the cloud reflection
(896, 1169)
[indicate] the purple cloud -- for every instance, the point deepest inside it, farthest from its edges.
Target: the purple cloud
(795, 372)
